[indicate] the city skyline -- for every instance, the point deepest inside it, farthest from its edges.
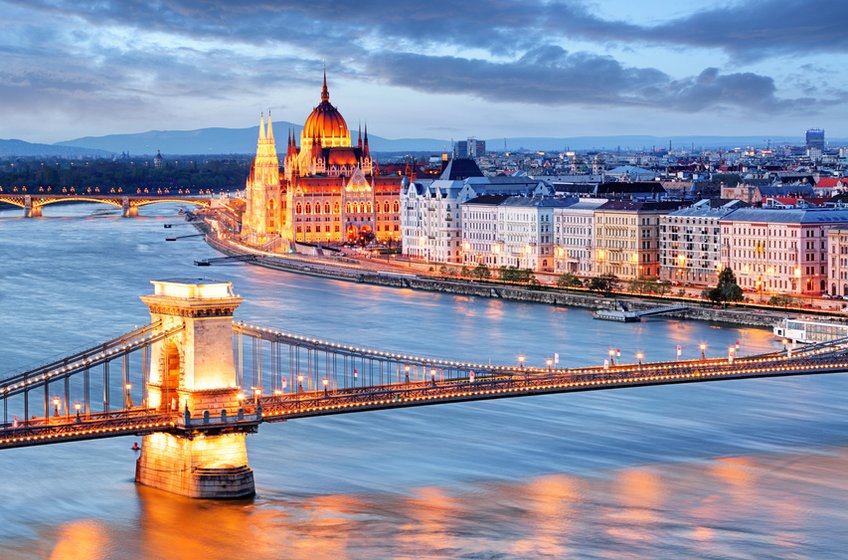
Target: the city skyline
(441, 70)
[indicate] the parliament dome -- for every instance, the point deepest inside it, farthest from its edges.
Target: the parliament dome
(325, 124)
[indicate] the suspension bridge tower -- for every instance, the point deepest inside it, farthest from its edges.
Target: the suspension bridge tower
(192, 374)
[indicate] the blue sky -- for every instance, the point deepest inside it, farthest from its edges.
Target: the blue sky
(426, 69)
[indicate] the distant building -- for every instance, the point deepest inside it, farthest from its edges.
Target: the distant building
(837, 261)
(815, 139)
(158, 160)
(470, 148)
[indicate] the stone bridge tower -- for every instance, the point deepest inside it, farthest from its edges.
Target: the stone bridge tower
(191, 373)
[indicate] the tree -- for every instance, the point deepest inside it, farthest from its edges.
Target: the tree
(605, 284)
(569, 280)
(481, 271)
(515, 274)
(726, 289)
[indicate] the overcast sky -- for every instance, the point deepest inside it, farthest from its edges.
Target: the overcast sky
(435, 68)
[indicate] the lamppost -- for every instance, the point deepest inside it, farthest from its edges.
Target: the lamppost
(406, 373)
(433, 376)
(300, 382)
(549, 362)
(639, 357)
(611, 356)
(128, 399)
(77, 407)
(56, 403)
(256, 394)
(521, 362)
(703, 351)
(326, 383)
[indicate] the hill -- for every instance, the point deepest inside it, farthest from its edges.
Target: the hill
(14, 147)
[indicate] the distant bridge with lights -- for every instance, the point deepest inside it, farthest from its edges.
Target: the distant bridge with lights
(193, 383)
(33, 203)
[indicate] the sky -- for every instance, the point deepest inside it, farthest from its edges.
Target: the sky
(436, 69)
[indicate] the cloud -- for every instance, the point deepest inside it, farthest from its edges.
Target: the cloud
(549, 75)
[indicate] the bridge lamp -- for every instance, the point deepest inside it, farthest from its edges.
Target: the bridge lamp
(128, 387)
(433, 376)
(549, 362)
(56, 403)
(406, 371)
(300, 383)
(326, 383)
(240, 398)
(639, 357)
(703, 351)
(611, 356)
(77, 407)
(521, 361)
(256, 394)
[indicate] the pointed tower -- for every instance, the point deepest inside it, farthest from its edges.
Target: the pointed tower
(261, 221)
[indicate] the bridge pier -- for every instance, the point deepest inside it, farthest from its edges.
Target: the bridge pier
(193, 372)
(31, 210)
(128, 211)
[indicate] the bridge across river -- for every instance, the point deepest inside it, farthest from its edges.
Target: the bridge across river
(193, 383)
(33, 203)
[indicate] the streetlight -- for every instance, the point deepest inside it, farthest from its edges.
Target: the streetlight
(406, 372)
(128, 388)
(326, 383)
(56, 406)
(549, 362)
(433, 376)
(612, 356)
(521, 361)
(703, 351)
(256, 394)
(300, 382)
(77, 407)
(639, 357)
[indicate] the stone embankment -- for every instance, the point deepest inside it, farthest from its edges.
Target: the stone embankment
(544, 295)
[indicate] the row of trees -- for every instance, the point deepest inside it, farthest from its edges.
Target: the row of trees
(726, 289)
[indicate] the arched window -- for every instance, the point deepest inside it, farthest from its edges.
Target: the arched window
(326, 207)
(298, 209)
(386, 207)
(356, 208)
(370, 208)
(336, 208)
(349, 208)
(308, 208)
(397, 206)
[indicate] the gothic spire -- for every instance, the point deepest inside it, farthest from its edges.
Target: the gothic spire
(270, 132)
(262, 126)
(325, 94)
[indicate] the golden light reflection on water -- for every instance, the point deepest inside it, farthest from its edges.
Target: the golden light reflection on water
(81, 539)
(640, 495)
(550, 502)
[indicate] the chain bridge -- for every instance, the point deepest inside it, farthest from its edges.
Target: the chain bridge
(33, 204)
(193, 383)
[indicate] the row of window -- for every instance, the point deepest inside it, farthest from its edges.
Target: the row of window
(350, 207)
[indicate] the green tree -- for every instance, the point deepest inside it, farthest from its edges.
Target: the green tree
(569, 280)
(481, 271)
(605, 284)
(726, 289)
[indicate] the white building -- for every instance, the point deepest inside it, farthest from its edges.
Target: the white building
(574, 236)
(431, 218)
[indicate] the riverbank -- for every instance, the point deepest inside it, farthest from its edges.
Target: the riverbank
(347, 271)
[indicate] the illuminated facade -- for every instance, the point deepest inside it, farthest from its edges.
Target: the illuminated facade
(329, 191)
(780, 250)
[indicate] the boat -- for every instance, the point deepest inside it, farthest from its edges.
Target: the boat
(810, 331)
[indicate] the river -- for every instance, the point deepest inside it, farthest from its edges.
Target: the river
(737, 469)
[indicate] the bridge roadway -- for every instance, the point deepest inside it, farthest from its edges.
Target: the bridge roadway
(500, 382)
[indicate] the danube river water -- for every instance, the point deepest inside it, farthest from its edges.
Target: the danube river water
(737, 469)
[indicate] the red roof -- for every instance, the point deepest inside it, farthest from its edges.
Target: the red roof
(828, 182)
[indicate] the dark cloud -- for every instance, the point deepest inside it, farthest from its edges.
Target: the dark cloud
(754, 28)
(549, 75)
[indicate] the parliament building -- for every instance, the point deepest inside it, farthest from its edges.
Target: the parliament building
(329, 190)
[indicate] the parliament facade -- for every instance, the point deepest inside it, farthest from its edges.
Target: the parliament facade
(329, 191)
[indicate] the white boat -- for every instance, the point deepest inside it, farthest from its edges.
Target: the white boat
(810, 330)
